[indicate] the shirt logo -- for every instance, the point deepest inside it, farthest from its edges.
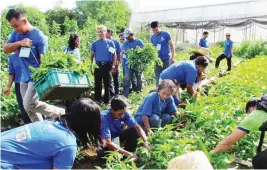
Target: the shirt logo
(21, 136)
(162, 38)
(107, 46)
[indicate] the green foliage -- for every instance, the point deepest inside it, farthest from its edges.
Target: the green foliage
(70, 26)
(55, 29)
(61, 61)
(220, 44)
(141, 58)
(249, 49)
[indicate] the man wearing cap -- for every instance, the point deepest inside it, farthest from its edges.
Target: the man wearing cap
(203, 41)
(132, 42)
(104, 52)
(186, 72)
(163, 42)
(115, 89)
(228, 53)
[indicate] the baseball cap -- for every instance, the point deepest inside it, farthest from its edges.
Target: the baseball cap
(127, 32)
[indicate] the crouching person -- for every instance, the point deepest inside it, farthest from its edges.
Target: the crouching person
(114, 131)
(158, 107)
(51, 144)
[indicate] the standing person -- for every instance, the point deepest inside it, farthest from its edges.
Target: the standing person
(132, 42)
(30, 43)
(158, 107)
(203, 41)
(113, 129)
(186, 72)
(256, 120)
(52, 144)
(73, 48)
(104, 52)
(14, 71)
(228, 53)
(163, 42)
(116, 74)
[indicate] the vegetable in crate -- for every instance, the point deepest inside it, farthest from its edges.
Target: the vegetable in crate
(61, 61)
(140, 58)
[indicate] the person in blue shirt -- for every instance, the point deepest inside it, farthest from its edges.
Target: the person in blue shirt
(203, 41)
(228, 53)
(113, 123)
(104, 52)
(52, 144)
(73, 47)
(115, 89)
(14, 72)
(158, 107)
(29, 43)
(186, 72)
(132, 42)
(163, 42)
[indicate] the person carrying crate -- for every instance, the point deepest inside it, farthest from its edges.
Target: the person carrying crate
(29, 43)
(103, 51)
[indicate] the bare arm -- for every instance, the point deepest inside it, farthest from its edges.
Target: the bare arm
(11, 47)
(146, 122)
(114, 58)
(9, 85)
(115, 147)
(229, 141)
(190, 90)
(172, 50)
(141, 132)
(92, 55)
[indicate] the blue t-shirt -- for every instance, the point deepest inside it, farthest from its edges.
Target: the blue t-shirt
(132, 44)
(111, 128)
(185, 72)
(118, 48)
(39, 46)
(203, 43)
(152, 104)
(75, 52)
(40, 145)
(161, 42)
(101, 50)
(228, 45)
(14, 67)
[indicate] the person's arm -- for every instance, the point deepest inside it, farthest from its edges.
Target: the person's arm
(112, 146)
(143, 136)
(190, 90)
(147, 125)
(9, 85)
(172, 51)
(230, 50)
(228, 142)
(42, 46)
(92, 55)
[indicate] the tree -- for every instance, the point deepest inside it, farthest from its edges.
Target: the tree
(70, 26)
(58, 14)
(55, 28)
(115, 14)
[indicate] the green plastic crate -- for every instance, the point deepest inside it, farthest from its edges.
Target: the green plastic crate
(61, 85)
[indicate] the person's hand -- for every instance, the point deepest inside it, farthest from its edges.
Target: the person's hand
(113, 70)
(176, 114)
(26, 42)
(228, 56)
(118, 68)
(134, 157)
(172, 60)
(148, 145)
(149, 132)
(181, 125)
(7, 92)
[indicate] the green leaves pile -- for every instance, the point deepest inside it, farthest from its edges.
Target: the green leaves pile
(60, 61)
(141, 58)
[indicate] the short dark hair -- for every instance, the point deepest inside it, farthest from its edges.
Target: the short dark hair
(72, 39)
(14, 13)
(121, 35)
(154, 24)
(118, 103)
(205, 32)
(167, 83)
(262, 103)
(109, 30)
(251, 103)
(202, 60)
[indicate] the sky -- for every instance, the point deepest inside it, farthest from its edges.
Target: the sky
(143, 5)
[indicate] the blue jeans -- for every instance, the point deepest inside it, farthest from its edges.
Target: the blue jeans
(126, 79)
(155, 121)
(158, 69)
(137, 83)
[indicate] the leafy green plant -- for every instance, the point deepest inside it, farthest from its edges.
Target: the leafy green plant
(61, 61)
(141, 58)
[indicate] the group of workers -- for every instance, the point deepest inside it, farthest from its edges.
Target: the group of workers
(53, 144)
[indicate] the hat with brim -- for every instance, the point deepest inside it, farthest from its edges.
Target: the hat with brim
(202, 51)
(127, 32)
